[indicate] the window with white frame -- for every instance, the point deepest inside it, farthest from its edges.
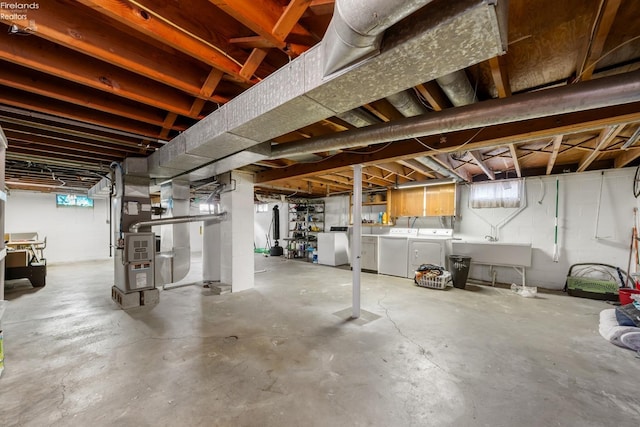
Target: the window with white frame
(262, 207)
(496, 194)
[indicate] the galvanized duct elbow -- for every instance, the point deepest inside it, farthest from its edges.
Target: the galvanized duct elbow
(458, 88)
(407, 104)
(357, 26)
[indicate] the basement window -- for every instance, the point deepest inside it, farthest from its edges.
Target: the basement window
(496, 194)
(262, 207)
(74, 200)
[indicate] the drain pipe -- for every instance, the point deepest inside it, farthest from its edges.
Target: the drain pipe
(135, 227)
(357, 26)
(587, 95)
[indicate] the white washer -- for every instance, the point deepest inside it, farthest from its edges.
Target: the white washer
(393, 251)
(429, 246)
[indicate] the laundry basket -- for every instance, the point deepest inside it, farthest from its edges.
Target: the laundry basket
(434, 282)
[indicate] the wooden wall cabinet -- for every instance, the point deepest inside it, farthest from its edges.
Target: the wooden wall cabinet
(407, 202)
(441, 200)
(438, 200)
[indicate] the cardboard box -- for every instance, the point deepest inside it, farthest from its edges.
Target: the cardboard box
(17, 259)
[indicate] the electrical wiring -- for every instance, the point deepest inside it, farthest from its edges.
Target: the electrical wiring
(604, 56)
(458, 147)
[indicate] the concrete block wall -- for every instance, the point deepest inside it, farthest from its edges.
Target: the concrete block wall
(583, 234)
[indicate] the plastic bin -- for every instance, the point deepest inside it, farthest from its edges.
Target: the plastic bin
(459, 268)
(625, 295)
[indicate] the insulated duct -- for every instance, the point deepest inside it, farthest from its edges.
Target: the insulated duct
(458, 88)
(299, 93)
(407, 104)
(592, 94)
(358, 118)
(356, 29)
(436, 167)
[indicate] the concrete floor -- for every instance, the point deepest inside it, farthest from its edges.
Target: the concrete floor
(279, 356)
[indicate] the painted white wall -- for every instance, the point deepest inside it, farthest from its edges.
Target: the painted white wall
(336, 211)
(580, 238)
(73, 233)
(263, 225)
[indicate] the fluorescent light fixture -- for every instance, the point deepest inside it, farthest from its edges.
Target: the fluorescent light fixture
(632, 139)
(429, 183)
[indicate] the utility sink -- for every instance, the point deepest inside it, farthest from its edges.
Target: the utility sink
(494, 253)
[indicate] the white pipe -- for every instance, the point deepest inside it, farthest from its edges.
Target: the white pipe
(495, 229)
(522, 207)
(595, 231)
(356, 241)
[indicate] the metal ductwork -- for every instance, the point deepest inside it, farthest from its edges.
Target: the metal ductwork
(356, 29)
(407, 104)
(588, 95)
(299, 94)
(134, 228)
(458, 88)
(358, 118)
(436, 167)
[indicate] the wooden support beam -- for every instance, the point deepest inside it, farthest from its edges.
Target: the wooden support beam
(607, 135)
(514, 157)
(289, 18)
(43, 56)
(160, 28)
(510, 133)
(557, 142)
(32, 102)
(25, 132)
(477, 158)
(48, 143)
(600, 30)
(18, 146)
(626, 157)
(28, 80)
(434, 95)
(329, 182)
(166, 126)
(76, 29)
(417, 166)
(444, 160)
(260, 16)
(500, 75)
(253, 62)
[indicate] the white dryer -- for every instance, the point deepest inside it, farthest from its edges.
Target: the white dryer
(429, 246)
(393, 251)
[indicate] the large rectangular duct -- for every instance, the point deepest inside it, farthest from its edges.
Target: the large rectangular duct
(437, 40)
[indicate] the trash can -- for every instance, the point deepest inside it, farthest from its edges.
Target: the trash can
(459, 266)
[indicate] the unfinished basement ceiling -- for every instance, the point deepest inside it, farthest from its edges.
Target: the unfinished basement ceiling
(86, 83)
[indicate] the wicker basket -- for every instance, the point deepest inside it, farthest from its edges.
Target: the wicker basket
(435, 282)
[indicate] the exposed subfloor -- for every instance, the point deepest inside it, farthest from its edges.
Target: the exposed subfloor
(278, 355)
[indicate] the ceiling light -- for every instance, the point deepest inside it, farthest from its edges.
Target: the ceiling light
(429, 183)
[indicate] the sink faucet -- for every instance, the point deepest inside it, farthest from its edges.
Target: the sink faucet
(491, 238)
